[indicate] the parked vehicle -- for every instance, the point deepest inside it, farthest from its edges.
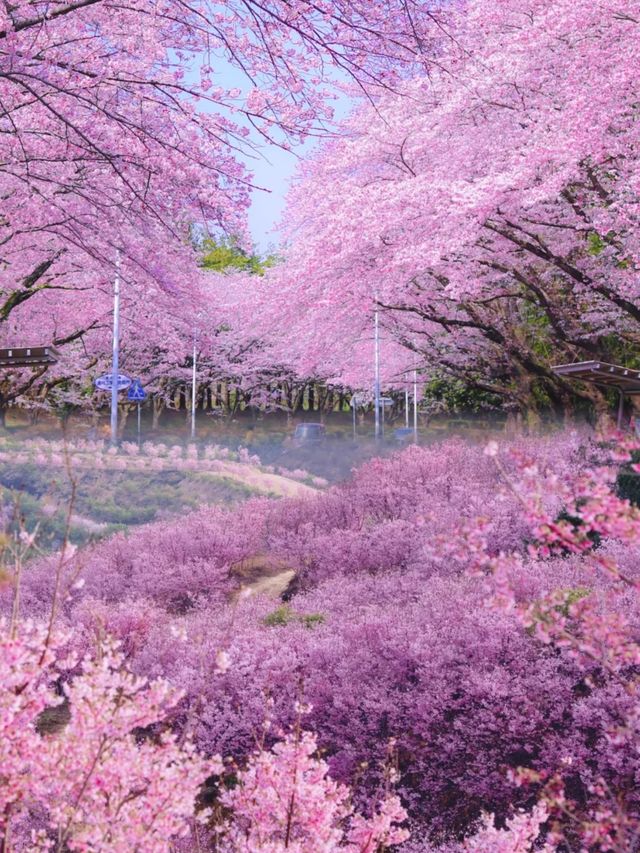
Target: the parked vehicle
(309, 434)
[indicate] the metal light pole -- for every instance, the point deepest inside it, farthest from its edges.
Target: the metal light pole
(376, 388)
(115, 353)
(415, 405)
(193, 389)
(406, 407)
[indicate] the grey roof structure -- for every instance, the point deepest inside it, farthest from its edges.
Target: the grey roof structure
(625, 379)
(28, 356)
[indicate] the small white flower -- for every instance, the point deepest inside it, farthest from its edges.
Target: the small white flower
(68, 551)
(217, 764)
(179, 632)
(223, 662)
(27, 539)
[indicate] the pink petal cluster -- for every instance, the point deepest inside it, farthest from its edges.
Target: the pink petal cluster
(287, 801)
(97, 775)
(520, 836)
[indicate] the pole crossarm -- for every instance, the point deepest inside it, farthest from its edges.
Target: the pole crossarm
(28, 356)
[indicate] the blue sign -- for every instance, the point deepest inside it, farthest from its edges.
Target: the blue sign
(136, 393)
(104, 382)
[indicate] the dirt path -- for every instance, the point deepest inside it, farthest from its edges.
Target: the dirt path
(262, 574)
(88, 523)
(274, 484)
(273, 586)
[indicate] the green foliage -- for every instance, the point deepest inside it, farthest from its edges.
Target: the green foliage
(628, 482)
(621, 351)
(595, 244)
(223, 255)
(285, 615)
(106, 510)
(571, 596)
(279, 617)
(51, 527)
(540, 395)
(107, 500)
(458, 397)
(310, 620)
(27, 478)
(565, 598)
(536, 330)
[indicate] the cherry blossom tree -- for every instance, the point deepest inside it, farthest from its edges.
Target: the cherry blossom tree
(73, 775)
(120, 146)
(491, 211)
(287, 801)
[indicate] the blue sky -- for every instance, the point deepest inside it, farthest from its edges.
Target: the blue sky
(272, 166)
(273, 171)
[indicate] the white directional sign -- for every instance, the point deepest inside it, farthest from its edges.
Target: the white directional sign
(104, 382)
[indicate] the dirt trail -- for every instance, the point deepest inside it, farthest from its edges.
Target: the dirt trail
(274, 484)
(272, 586)
(262, 574)
(88, 523)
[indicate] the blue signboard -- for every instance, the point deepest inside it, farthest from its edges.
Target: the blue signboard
(136, 393)
(104, 382)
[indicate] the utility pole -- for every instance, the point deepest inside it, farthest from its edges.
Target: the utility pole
(193, 387)
(415, 405)
(376, 388)
(115, 353)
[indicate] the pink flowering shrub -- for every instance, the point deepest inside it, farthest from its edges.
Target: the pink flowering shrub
(81, 779)
(384, 662)
(496, 658)
(166, 562)
(519, 836)
(286, 800)
(245, 456)
(96, 768)
(394, 510)
(597, 627)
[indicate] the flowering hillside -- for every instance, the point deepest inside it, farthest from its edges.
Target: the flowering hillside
(451, 634)
(202, 649)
